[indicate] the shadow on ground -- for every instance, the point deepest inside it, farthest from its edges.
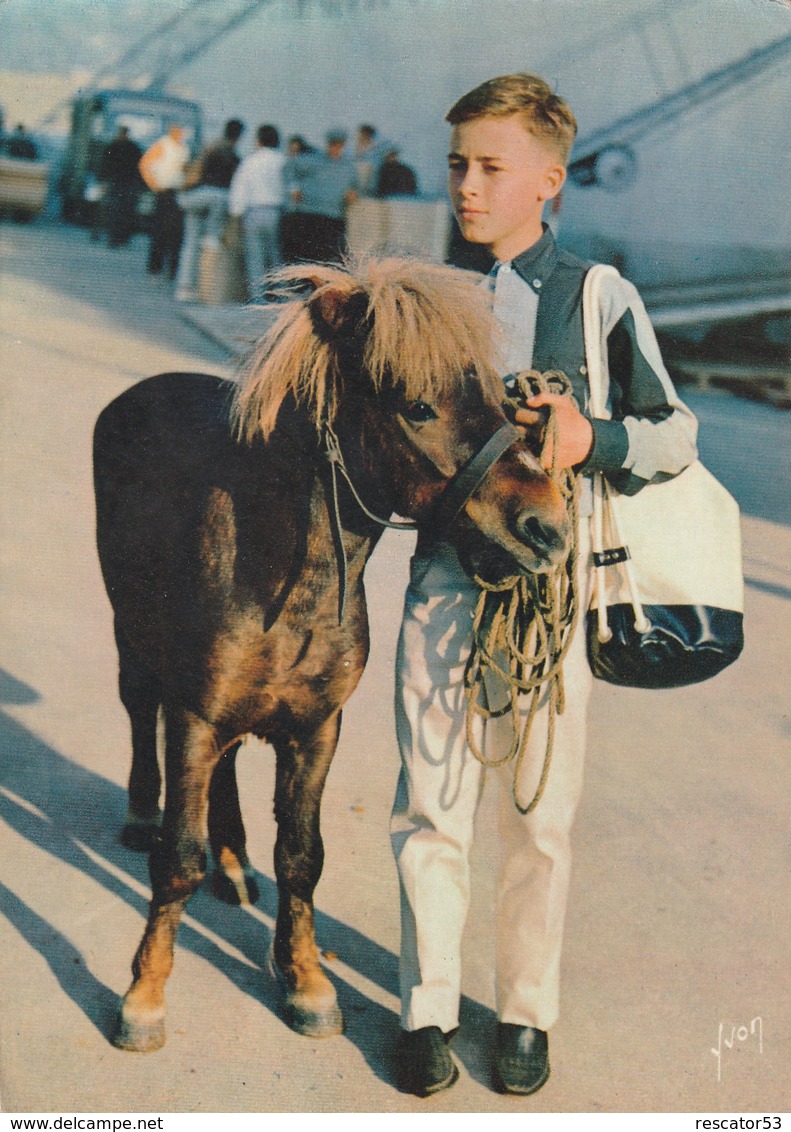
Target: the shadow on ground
(75, 815)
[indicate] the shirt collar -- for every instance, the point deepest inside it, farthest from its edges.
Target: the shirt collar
(535, 265)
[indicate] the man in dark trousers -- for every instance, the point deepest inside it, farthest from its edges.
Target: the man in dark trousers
(321, 186)
(162, 168)
(120, 174)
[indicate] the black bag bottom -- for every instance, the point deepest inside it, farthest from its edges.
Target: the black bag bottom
(684, 645)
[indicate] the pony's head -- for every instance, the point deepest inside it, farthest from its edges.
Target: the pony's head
(413, 326)
(398, 357)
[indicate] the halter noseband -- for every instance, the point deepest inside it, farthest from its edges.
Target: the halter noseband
(466, 480)
(470, 477)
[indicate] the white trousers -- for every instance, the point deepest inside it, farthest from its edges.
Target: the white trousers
(438, 793)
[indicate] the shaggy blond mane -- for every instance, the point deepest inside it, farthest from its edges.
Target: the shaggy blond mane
(431, 325)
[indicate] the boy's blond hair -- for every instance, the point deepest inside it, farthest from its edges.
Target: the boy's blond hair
(545, 114)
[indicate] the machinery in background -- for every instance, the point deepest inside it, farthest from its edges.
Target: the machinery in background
(96, 118)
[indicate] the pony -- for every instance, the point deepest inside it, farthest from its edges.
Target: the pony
(234, 521)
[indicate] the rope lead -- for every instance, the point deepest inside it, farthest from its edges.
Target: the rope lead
(523, 626)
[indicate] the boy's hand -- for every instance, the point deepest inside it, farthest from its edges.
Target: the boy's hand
(575, 431)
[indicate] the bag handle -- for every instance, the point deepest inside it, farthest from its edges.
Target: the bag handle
(602, 495)
(591, 330)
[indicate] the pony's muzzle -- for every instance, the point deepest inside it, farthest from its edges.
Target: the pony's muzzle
(522, 526)
(547, 539)
(537, 518)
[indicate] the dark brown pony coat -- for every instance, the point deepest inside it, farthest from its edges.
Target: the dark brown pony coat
(221, 549)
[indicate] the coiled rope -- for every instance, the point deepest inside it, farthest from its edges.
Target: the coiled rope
(523, 626)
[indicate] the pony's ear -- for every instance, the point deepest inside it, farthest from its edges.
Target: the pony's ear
(337, 311)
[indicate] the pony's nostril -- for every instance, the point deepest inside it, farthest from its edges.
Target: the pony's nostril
(541, 539)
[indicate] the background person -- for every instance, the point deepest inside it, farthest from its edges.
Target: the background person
(395, 178)
(162, 168)
(296, 145)
(321, 187)
(121, 177)
(204, 204)
(257, 195)
(369, 153)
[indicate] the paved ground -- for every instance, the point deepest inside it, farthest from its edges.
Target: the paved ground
(678, 931)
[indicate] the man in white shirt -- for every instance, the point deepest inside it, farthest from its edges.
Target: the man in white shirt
(162, 169)
(256, 195)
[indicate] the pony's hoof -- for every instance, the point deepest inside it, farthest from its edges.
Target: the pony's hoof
(141, 836)
(138, 1037)
(310, 1022)
(317, 1016)
(235, 890)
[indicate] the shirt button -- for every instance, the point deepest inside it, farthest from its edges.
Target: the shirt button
(583, 369)
(536, 283)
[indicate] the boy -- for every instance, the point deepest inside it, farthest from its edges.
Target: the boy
(510, 142)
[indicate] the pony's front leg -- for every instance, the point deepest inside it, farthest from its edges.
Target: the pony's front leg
(177, 866)
(311, 1004)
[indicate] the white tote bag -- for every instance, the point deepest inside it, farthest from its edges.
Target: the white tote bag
(667, 605)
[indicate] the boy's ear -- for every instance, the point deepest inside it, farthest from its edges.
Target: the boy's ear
(554, 179)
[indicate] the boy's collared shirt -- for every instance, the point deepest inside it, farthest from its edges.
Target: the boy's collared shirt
(516, 307)
(652, 435)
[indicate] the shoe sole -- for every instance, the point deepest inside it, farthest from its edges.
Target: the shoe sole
(432, 1090)
(516, 1090)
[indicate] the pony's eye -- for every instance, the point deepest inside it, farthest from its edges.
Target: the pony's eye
(418, 411)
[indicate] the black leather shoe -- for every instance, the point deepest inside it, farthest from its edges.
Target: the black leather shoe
(424, 1065)
(521, 1059)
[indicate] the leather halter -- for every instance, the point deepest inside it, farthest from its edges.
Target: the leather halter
(466, 480)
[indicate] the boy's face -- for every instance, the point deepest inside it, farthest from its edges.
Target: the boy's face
(499, 177)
